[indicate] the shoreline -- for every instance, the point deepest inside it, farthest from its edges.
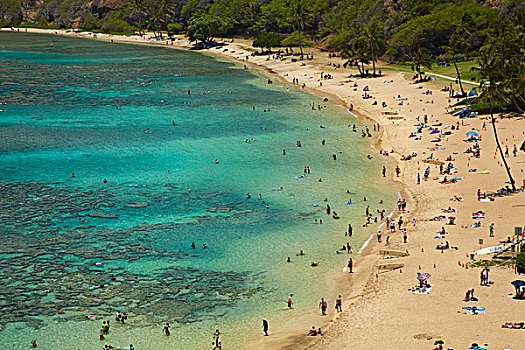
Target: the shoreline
(423, 201)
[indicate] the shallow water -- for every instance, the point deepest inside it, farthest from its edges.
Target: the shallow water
(81, 106)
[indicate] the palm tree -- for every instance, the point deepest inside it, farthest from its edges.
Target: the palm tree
(166, 8)
(490, 76)
(357, 53)
(508, 44)
(375, 43)
(421, 58)
(516, 84)
(455, 47)
(298, 16)
(136, 10)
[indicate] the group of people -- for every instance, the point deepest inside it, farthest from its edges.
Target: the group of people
(104, 330)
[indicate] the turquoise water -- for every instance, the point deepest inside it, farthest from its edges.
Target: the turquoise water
(81, 106)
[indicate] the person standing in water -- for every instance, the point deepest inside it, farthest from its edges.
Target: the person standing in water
(338, 304)
(265, 327)
(166, 329)
(323, 305)
(289, 302)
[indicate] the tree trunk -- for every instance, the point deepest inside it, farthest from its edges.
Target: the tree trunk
(516, 105)
(359, 68)
(363, 68)
(373, 58)
(457, 72)
(512, 183)
(300, 44)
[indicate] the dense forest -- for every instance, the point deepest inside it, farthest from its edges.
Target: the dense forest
(417, 31)
(403, 25)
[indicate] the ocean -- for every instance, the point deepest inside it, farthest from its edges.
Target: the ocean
(115, 158)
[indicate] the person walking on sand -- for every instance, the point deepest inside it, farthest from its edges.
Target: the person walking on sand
(398, 171)
(338, 304)
(289, 302)
(378, 236)
(491, 230)
(384, 171)
(485, 276)
(350, 265)
(404, 235)
(265, 327)
(323, 306)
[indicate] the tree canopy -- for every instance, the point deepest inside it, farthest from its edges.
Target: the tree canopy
(204, 28)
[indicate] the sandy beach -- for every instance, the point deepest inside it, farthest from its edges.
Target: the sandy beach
(379, 308)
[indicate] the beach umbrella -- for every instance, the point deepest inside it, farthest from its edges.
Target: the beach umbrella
(439, 341)
(472, 133)
(523, 146)
(434, 132)
(518, 283)
(423, 276)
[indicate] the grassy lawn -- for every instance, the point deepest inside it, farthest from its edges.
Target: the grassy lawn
(464, 69)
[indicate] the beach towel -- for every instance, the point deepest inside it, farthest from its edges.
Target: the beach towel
(424, 290)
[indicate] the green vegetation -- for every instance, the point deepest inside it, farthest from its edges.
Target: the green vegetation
(10, 13)
(520, 262)
(268, 40)
(483, 263)
(204, 28)
(466, 39)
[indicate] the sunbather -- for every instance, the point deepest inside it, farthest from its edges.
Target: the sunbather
(312, 332)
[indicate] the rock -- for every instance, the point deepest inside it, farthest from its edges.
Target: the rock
(102, 215)
(137, 205)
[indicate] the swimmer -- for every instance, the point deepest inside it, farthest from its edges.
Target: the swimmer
(216, 161)
(204, 246)
(192, 245)
(248, 195)
(72, 174)
(288, 260)
(105, 181)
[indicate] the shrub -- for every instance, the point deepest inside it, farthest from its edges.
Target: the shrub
(174, 28)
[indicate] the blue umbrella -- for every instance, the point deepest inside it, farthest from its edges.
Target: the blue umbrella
(434, 132)
(518, 283)
(472, 133)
